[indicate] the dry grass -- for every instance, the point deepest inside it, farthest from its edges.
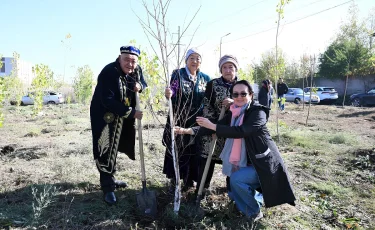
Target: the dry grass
(48, 179)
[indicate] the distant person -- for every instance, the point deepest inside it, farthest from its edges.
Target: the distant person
(264, 94)
(250, 156)
(217, 96)
(113, 115)
(271, 92)
(282, 89)
(187, 90)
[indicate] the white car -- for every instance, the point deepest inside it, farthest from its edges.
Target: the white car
(49, 97)
(296, 95)
(326, 94)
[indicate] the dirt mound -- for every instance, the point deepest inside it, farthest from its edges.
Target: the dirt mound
(7, 149)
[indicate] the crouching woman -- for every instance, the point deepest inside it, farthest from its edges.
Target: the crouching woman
(250, 157)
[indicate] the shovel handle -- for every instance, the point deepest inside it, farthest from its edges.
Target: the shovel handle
(209, 157)
(140, 139)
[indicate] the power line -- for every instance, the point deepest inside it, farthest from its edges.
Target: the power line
(290, 22)
(268, 18)
(235, 13)
(265, 19)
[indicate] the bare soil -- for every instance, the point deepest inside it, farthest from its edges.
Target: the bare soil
(48, 179)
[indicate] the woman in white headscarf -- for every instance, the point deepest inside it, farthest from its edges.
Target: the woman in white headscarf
(187, 88)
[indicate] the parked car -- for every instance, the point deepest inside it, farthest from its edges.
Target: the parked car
(49, 97)
(296, 95)
(363, 99)
(326, 94)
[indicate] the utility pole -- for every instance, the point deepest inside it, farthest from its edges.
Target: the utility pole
(221, 41)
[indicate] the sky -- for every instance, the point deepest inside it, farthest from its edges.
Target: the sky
(36, 29)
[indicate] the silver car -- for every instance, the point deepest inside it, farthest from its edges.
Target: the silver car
(326, 94)
(49, 97)
(296, 95)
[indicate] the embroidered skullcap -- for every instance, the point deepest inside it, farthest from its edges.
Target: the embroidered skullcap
(130, 50)
(192, 51)
(228, 58)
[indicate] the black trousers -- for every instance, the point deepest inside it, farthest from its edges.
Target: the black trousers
(210, 173)
(107, 181)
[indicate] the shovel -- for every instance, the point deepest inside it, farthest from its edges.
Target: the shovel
(146, 199)
(208, 162)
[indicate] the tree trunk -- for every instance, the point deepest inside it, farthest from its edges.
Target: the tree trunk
(276, 76)
(312, 72)
(346, 87)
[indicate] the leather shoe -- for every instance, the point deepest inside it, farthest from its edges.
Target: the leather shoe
(120, 184)
(110, 198)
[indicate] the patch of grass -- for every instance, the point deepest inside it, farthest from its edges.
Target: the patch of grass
(33, 133)
(42, 198)
(338, 139)
(330, 188)
(305, 165)
(301, 220)
(68, 120)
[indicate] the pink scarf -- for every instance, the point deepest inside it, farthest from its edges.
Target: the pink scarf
(235, 155)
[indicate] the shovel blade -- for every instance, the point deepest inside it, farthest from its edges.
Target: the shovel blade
(147, 203)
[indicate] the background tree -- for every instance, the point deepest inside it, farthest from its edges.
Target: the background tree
(292, 72)
(66, 43)
(268, 64)
(43, 75)
(278, 68)
(152, 97)
(349, 55)
(345, 57)
(303, 71)
(246, 73)
(312, 74)
(259, 73)
(13, 84)
(83, 84)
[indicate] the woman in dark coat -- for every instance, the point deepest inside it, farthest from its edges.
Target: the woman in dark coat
(250, 156)
(264, 96)
(216, 96)
(187, 88)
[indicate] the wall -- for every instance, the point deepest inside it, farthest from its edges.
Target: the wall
(23, 70)
(6, 70)
(355, 85)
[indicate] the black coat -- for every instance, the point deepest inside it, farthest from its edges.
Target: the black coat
(262, 153)
(282, 88)
(187, 105)
(112, 112)
(264, 97)
(216, 91)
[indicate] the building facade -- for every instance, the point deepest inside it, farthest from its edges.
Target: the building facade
(20, 68)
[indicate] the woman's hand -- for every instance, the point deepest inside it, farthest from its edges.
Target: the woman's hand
(227, 102)
(168, 93)
(182, 131)
(178, 130)
(204, 122)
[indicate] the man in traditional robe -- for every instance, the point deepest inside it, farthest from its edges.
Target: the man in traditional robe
(113, 115)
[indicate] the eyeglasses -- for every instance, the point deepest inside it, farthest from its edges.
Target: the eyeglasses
(243, 94)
